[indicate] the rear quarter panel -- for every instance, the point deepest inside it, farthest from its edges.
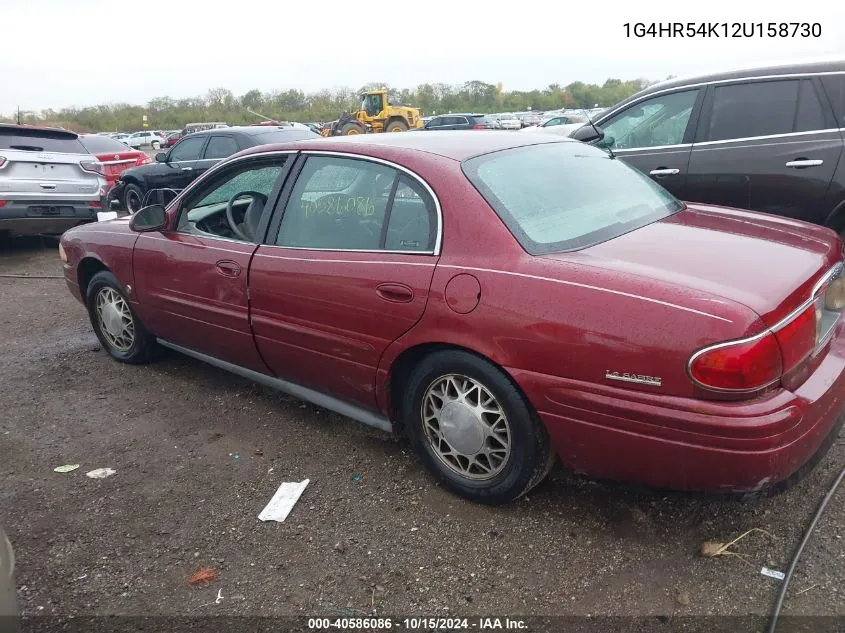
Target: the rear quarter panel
(560, 318)
(109, 243)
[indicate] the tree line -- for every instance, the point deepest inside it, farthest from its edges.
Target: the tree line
(221, 104)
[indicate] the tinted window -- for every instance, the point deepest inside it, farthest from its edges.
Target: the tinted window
(220, 147)
(661, 120)
(753, 109)
(281, 136)
(102, 144)
(319, 215)
(834, 86)
(187, 149)
(38, 141)
(810, 114)
(564, 196)
(435, 122)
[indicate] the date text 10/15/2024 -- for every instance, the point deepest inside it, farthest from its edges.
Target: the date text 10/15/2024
(727, 30)
(418, 624)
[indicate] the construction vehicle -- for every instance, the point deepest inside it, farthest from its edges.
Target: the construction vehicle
(377, 114)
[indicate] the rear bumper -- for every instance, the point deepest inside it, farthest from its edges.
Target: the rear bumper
(18, 218)
(686, 444)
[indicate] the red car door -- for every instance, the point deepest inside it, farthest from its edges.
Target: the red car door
(344, 272)
(191, 280)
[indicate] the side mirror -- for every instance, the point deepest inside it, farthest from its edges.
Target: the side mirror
(161, 157)
(587, 134)
(151, 218)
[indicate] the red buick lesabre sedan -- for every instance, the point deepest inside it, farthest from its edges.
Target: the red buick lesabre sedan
(503, 301)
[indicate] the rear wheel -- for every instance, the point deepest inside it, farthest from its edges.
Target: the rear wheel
(117, 326)
(397, 126)
(473, 429)
(350, 129)
(133, 198)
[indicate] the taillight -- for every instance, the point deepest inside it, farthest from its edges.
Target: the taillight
(745, 365)
(753, 363)
(3, 203)
(93, 167)
(143, 160)
(2, 160)
(479, 126)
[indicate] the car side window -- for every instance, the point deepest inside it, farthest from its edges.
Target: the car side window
(661, 120)
(382, 209)
(753, 109)
(412, 218)
(811, 113)
(221, 147)
(834, 86)
(246, 188)
(187, 149)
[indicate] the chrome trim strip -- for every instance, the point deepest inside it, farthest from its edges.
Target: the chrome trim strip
(349, 250)
(331, 403)
(833, 272)
(210, 237)
(346, 261)
(439, 239)
(652, 148)
(580, 285)
(118, 162)
(767, 136)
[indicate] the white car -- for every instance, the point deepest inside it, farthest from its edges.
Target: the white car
(509, 122)
(142, 139)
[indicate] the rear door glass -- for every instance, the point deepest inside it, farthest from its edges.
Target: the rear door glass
(753, 109)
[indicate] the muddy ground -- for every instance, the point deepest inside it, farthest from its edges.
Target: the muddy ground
(199, 452)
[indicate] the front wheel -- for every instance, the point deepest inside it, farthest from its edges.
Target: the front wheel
(117, 326)
(473, 429)
(397, 126)
(133, 198)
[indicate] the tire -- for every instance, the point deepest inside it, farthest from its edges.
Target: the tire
(138, 349)
(528, 457)
(156, 145)
(133, 198)
(396, 125)
(350, 129)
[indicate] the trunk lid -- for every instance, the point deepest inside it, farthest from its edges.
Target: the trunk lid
(767, 263)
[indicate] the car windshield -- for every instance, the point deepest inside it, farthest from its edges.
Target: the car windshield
(566, 196)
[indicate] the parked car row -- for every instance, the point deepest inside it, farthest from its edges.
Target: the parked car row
(189, 157)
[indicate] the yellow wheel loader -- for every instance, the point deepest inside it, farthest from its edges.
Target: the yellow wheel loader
(377, 114)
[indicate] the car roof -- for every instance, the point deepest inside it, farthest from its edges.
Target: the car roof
(830, 66)
(457, 145)
(248, 130)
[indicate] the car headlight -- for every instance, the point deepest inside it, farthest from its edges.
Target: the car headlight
(62, 254)
(834, 296)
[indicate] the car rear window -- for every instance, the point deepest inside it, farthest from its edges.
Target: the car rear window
(566, 196)
(36, 140)
(283, 136)
(102, 144)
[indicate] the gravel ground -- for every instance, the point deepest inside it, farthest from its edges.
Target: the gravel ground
(199, 452)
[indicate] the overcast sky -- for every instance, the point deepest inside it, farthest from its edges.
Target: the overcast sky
(59, 53)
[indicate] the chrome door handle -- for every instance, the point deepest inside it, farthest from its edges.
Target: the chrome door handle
(187, 168)
(664, 172)
(804, 162)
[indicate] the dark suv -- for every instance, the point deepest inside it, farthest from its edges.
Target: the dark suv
(191, 156)
(458, 122)
(767, 139)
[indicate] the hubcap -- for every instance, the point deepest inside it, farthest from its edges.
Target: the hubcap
(466, 427)
(115, 319)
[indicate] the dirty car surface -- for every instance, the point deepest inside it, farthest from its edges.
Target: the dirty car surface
(503, 301)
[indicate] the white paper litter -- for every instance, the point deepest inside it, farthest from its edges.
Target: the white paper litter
(65, 468)
(773, 573)
(100, 473)
(283, 501)
(102, 216)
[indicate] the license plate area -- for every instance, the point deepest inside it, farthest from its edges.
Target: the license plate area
(50, 211)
